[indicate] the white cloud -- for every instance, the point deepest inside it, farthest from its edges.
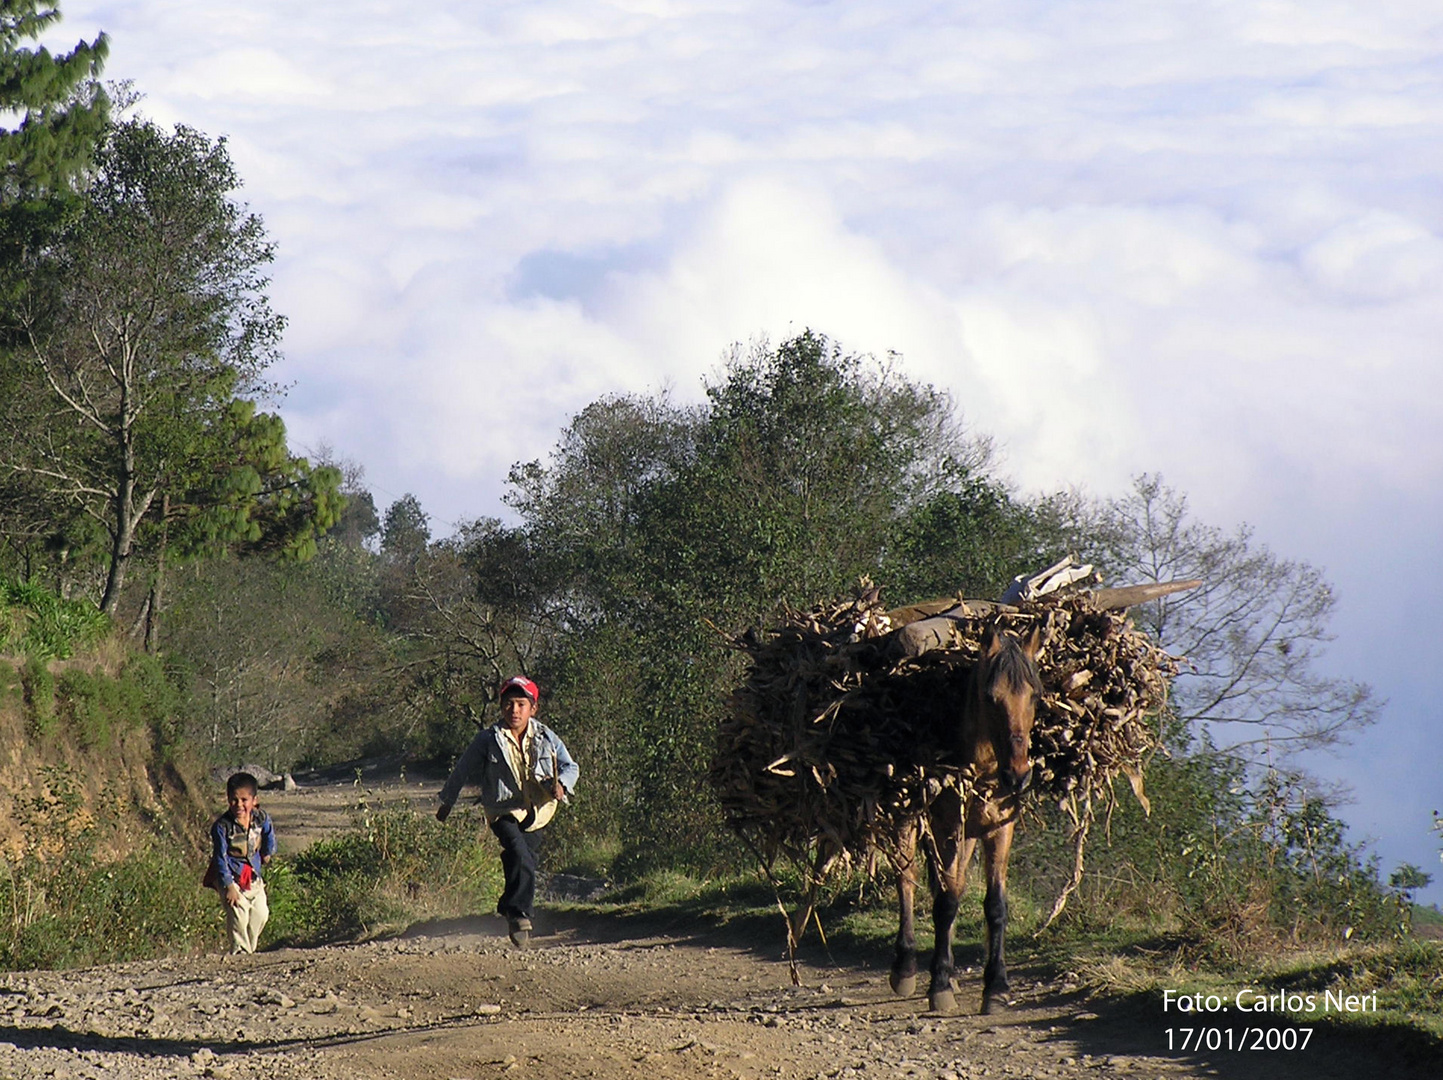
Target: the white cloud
(1376, 256)
(248, 74)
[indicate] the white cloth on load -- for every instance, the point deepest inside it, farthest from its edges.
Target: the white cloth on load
(1030, 586)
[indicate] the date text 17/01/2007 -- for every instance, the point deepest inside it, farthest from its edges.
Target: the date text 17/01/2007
(1243, 1039)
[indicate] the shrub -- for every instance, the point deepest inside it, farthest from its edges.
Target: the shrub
(391, 861)
(1226, 864)
(40, 624)
(61, 905)
(38, 688)
(94, 704)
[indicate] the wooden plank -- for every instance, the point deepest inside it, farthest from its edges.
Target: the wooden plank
(1128, 595)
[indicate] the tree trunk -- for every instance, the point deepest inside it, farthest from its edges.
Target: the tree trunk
(120, 545)
(157, 583)
(128, 512)
(123, 537)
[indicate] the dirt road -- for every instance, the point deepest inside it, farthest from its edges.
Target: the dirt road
(591, 999)
(595, 997)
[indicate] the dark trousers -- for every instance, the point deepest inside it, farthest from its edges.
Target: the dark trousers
(518, 863)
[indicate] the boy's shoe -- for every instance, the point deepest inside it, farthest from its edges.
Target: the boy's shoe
(520, 930)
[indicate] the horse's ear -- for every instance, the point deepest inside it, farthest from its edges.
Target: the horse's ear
(1033, 645)
(991, 642)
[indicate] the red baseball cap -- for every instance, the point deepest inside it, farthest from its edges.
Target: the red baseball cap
(522, 683)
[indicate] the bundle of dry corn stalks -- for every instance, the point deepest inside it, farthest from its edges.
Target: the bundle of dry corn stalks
(846, 725)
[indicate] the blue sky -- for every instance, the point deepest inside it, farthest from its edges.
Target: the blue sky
(1198, 238)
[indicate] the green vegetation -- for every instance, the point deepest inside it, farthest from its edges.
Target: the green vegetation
(38, 688)
(36, 623)
(93, 704)
(393, 867)
(62, 107)
(63, 903)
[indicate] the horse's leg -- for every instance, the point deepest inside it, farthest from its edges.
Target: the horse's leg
(995, 849)
(904, 966)
(949, 874)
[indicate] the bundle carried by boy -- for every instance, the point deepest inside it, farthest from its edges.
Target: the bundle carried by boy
(845, 724)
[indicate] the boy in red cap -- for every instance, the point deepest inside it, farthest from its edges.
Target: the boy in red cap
(524, 771)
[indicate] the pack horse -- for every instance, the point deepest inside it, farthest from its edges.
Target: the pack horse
(990, 734)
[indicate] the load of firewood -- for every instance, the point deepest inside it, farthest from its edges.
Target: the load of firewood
(845, 726)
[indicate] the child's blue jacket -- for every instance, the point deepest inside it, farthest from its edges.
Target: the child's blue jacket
(231, 847)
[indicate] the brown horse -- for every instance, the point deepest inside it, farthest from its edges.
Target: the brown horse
(993, 737)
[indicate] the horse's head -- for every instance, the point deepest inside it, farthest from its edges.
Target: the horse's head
(1004, 695)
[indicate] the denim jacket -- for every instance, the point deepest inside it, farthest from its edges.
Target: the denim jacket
(232, 846)
(484, 763)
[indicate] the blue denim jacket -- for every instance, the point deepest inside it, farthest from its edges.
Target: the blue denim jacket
(231, 846)
(484, 763)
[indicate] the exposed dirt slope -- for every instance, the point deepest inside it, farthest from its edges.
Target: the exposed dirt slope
(113, 781)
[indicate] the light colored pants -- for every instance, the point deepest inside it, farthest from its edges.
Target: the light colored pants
(246, 919)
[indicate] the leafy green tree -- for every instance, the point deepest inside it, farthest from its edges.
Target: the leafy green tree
(63, 109)
(970, 540)
(406, 530)
(240, 491)
(60, 114)
(359, 522)
(1408, 879)
(808, 461)
(146, 323)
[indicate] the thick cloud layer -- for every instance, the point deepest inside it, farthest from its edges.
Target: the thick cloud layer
(1202, 239)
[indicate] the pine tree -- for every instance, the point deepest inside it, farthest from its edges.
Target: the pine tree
(63, 109)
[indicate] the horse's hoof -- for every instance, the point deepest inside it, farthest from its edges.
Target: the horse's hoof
(991, 998)
(943, 1002)
(903, 985)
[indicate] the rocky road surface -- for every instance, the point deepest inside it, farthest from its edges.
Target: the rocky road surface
(593, 998)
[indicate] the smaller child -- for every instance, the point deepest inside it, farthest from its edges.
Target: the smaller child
(242, 841)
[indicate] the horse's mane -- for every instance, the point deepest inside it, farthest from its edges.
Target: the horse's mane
(1013, 665)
